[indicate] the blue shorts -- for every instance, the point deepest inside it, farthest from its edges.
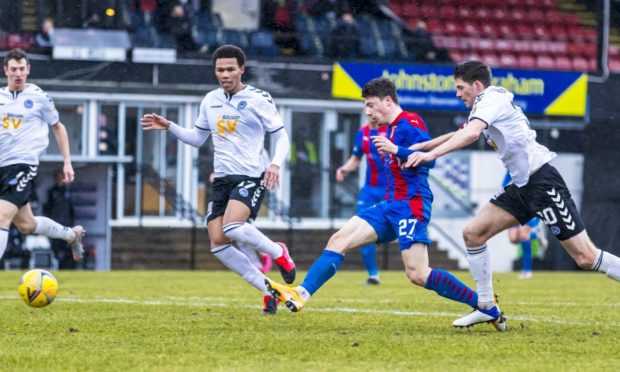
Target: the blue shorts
(369, 196)
(405, 220)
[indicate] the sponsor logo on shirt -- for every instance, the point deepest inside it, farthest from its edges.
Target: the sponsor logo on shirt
(12, 120)
(242, 105)
(216, 106)
(28, 104)
(226, 124)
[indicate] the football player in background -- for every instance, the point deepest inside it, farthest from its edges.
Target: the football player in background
(27, 115)
(373, 190)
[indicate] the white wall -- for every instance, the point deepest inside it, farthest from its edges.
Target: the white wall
(487, 173)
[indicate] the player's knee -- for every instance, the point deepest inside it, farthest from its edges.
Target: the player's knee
(416, 276)
(26, 227)
(584, 261)
(218, 240)
(337, 242)
(473, 236)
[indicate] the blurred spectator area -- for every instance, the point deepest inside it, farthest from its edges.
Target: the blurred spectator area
(532, 34)
(538, 34)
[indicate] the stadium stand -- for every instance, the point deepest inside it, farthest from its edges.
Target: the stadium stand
(523, 33)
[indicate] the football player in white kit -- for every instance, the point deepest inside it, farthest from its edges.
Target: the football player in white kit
(27, 113)
(237, 116)
(537, 189)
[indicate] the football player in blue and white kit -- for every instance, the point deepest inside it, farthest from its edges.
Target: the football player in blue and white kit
(237, 116)
(27, 114)
(537, 189)
(403, 215)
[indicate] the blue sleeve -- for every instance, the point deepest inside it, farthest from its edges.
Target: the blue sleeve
(357, 144)
(407, 136)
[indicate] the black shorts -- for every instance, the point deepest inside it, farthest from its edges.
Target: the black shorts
(248, 190)
(546, 196)
(17, 183)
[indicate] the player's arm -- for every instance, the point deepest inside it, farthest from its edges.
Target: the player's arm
(282, 145)
(350, 166)
(461, 138)
(62, 139)
(194, 137)
(430, 145)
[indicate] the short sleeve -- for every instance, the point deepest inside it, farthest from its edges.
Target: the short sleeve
(269, 114)
(489, 107)
(48, 110)
(357, 144)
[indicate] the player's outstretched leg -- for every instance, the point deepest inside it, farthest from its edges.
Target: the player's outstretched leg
(369, 256)
(245, 233)
(53, 230)
(320, 272)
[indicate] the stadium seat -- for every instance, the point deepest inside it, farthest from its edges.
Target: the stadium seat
(554, 17)
(311, 44)
(368, 47)
(545, 62)
(491, 59)
(536, 16)
(526, 61)
(470, 28)
(614, 65)
(489, 30)
(508, 60)
(261, 43)
(563, 63)
(206, 21)
(22, 41)
(580, 64)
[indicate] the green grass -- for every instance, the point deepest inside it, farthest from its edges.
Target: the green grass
(210, 321)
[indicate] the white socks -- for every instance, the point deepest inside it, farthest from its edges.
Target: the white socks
(480, 268)
(249, 251)
(607, 263)
(245, 233)
(240, 263)
(53, 229)
(4, 239)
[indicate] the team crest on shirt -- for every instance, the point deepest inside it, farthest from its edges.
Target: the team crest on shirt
(244, 192)
(28, 104)
(242, 105)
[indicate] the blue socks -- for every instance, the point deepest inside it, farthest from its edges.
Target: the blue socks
(526, 258)
(448, 286)
(369, 256)
(322, 270)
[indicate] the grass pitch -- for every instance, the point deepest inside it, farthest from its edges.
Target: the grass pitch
(190, 321)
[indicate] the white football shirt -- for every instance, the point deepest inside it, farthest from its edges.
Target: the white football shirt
(237, 124)
(26, 118)
(508, 132)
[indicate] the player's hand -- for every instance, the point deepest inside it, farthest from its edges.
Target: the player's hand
(67, 170)
(212, 177)
(417, 158)
(384, 145)
(340, 174)
(154, 121)
(272, 177)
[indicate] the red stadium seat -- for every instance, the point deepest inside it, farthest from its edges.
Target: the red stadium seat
(545, 62)
(517, 15)
(410, 11)
(508, 60)
(490, 59)
(614, 65)
(614, 52)
(449, 13)
(526, 61)
(571, 19)
(506, 31)
(471, 28)
(554, 17)
(559, 32)
(536, 16)
(453, 28)
(525, 31)
(580, 64)
(563, 63)
(465, 13)
(489, 30)
(542, 32)
(456, 55)
(498, 15)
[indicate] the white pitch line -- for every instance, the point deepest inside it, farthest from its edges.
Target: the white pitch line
(200, 301)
